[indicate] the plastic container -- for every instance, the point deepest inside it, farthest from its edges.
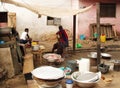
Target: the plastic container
(69, 83)
(78, 45)
(103, 38)
(82, 37)
(84, 65)
(95, 35)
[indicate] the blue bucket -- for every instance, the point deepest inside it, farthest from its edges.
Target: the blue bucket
(82, 37)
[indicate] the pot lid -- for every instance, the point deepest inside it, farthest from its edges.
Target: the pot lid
(48, 73)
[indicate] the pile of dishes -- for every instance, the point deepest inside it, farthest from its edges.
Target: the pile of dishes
(87, 79)
(48, 76)
(52, 57)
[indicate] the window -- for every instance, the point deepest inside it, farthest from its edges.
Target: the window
(107, 9)
(3, 16)
(53, 21)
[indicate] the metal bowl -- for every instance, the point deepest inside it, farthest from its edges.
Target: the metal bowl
(87, 83)
(52, 57)
(106, 56)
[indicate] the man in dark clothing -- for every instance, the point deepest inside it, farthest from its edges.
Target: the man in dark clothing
(59, 46)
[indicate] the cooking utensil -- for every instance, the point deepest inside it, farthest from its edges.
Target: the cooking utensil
(52, 57)
(106, 56)
(87, 82)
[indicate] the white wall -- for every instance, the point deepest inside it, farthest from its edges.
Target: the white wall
(37, 26)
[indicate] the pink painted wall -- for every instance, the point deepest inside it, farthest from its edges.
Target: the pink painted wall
(88, 17)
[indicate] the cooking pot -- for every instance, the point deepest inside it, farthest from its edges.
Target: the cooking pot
(5, 30)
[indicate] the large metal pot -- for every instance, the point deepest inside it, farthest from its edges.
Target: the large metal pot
(5, 30)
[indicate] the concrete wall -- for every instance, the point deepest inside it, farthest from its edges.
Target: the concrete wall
(89, 17)
(38, 26)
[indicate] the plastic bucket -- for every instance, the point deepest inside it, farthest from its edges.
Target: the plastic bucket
(103, 38)
(95, 35)
(78, 45)
(82, 37)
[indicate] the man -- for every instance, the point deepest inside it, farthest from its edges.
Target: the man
(62, 41)
(63, 36)
(59, 45)
(24, 38)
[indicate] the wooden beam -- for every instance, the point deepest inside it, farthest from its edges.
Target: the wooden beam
(74, 32)
(98, 32)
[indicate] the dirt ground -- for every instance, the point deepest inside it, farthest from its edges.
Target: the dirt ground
(88, 46)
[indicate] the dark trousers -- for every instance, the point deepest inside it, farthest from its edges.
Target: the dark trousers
(59, 46)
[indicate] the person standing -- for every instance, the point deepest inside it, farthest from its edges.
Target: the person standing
(62, 35)
(62, 41)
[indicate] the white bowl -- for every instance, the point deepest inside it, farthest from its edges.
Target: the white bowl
(48, 76)
(87, 83)
(48, 73)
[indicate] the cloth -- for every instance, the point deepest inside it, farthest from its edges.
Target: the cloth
(47, 11)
